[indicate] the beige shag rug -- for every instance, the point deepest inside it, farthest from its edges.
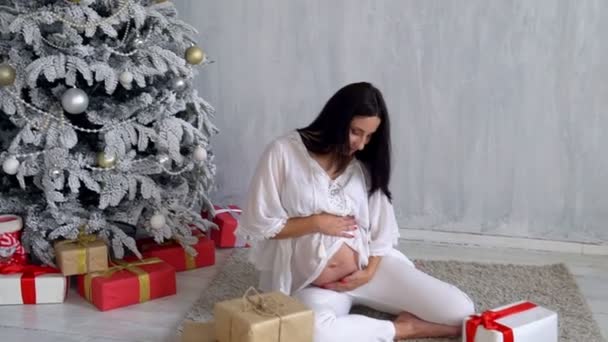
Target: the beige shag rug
(490, 286)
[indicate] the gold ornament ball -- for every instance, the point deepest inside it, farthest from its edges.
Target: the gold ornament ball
(105, 161)
(7, 75)
(195, 55)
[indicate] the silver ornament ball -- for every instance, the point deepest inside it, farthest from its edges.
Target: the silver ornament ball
(125, 78)
(10, 166)
(157, 221)
(164, 160)
(138, 43)
(75, 101)
(178, 84)
(200, 154)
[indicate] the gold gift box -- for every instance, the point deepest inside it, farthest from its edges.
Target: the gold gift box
(263, 318)
(78, 257)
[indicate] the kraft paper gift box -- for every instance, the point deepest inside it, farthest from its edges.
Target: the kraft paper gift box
(517, 322)
(83, 255)
(198, 332)
(31, 284)
(262, 318)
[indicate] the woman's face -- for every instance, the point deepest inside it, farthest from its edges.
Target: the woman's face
(361, 130)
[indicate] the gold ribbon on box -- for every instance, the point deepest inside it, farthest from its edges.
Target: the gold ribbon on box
(190, 262)
(142, 276)
(82, 258)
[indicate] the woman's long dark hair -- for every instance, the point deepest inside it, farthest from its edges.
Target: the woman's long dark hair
(329, 132)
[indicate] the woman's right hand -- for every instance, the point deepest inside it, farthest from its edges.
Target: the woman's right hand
(335, 225)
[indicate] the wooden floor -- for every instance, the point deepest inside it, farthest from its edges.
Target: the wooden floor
(78, 321)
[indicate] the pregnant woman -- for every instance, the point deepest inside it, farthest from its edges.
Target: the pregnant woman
(320, 215)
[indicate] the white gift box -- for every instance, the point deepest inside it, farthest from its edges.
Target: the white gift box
(49, 288)
(518, 322)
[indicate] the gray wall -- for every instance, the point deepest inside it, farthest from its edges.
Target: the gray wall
(499, 108)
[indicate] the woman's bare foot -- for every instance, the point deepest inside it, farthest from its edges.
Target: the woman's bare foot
(410, 326)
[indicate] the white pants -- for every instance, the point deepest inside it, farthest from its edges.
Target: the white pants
(397, 286)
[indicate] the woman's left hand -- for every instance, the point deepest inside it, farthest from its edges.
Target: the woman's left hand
(351, 281)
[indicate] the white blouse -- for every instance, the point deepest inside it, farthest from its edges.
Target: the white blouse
(287, 183)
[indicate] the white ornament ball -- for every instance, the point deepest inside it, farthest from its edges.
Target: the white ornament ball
(199, 153)
(75, 101)
(125, 78)
(157, 221)
(10, 166)
(178, 84)
(55, 172)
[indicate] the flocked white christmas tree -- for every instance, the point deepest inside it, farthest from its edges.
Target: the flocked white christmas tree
(100, 128)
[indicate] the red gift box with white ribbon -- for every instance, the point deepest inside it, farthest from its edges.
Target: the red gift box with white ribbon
(226, 220)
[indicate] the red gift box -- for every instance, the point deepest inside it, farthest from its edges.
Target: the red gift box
(128, 283)
(174, 254)
(227, 224)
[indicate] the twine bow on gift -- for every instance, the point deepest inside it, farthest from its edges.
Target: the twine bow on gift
(82, 240)
(263, 306)
(268, 307)
(488, 320)
(142, 276)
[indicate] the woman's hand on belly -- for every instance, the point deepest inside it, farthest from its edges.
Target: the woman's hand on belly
(356, 278)
(350, 282)
(341, 264)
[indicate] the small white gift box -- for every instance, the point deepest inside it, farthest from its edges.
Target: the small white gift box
(30, 284)
(517, 322)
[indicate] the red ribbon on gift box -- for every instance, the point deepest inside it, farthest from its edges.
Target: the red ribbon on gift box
(488, 320)
(28, 278)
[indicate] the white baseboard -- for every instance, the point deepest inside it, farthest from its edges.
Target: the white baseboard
(480, 240)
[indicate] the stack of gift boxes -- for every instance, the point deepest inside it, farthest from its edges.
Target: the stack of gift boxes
(21, 282)
(106, 283)
(253, 318)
